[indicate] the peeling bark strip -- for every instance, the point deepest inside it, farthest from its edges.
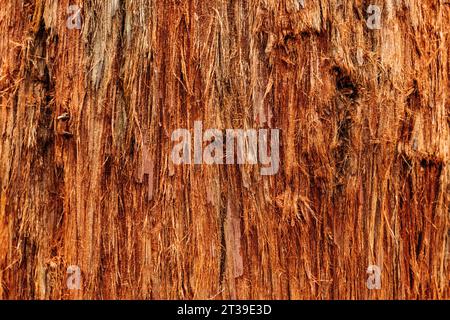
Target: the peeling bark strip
(147, 168)
(234, 260)
(88, 102)
(233, 240)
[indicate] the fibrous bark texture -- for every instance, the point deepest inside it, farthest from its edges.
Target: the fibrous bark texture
(86, 178)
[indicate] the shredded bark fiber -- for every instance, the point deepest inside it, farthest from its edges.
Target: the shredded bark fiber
(364, 173)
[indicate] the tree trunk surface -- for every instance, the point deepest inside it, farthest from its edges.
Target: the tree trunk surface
(86, 176)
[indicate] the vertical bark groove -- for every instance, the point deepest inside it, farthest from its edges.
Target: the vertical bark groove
(86, 178)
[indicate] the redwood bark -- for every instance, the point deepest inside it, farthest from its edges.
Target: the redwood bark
(364, 173)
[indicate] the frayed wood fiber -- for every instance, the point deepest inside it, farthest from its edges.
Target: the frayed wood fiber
(86, 179)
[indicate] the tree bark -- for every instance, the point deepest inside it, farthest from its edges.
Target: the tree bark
(86, 177)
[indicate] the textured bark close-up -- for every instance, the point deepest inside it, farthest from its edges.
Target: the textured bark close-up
(91, 92)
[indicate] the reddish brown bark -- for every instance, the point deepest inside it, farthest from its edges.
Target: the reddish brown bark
(364, 176)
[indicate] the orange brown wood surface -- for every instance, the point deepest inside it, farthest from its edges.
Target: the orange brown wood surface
(364, 168)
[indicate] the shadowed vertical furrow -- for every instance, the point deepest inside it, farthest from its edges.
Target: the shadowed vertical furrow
(87, 179)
